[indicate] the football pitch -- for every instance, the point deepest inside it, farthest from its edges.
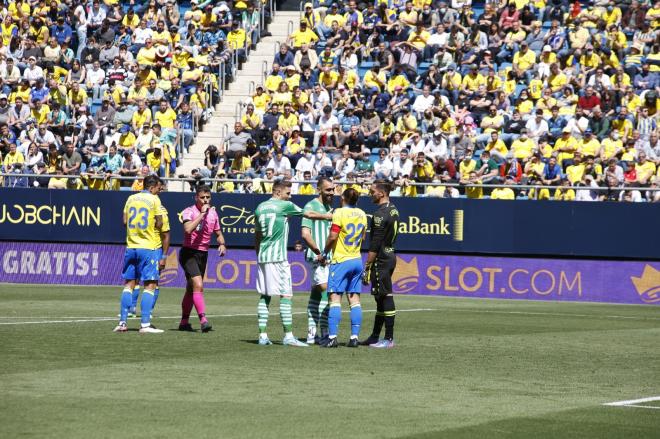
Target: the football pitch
(462, 368)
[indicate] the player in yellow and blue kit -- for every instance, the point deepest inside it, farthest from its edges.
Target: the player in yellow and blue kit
(143, 220)
(349, 226)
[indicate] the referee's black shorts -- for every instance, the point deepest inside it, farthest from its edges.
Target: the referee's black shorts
(381, 277)
(193, 262)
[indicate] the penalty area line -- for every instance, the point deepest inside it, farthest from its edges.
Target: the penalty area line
(637, 403)
(111, 319)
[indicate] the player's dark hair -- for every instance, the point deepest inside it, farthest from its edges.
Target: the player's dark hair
(382, 185)
(322, 180)
(281, 184)
(151, 181)
(351, 196)
(205, 189)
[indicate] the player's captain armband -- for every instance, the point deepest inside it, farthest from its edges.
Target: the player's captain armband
(335, 228)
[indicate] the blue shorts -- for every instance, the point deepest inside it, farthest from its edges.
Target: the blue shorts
(141, 264)
(345, 277)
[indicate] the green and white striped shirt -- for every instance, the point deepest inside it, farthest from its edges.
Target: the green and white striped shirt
(272, 220)
(319, 228)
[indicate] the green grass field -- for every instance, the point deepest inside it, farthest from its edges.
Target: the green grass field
(462, 369)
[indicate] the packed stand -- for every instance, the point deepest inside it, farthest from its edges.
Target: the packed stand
(100, 89)
(552, 94)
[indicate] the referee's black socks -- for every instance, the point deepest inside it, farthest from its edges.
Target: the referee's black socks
(389, 312)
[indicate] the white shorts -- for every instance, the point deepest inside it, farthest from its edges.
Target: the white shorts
(319, 273)
(274, 279)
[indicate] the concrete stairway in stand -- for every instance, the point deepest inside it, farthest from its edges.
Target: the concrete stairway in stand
(238, 92)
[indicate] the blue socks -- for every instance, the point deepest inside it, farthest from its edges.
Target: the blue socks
(146, 305)
(156, 293)
(334, 317)
(124, 305)
(136, 294)
(356, 319)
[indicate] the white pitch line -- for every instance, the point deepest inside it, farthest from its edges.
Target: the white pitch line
(642, 406)
(634, 402)
(106, 319)
(556, 314)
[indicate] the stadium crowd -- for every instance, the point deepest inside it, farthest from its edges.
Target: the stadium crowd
(513, 92)
(104, 88)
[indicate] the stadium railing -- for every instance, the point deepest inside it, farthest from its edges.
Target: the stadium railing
(186, 180)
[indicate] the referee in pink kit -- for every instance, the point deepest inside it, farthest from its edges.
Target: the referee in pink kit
(200, 222)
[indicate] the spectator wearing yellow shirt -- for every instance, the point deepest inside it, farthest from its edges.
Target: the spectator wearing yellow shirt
(418, 37)
(564, 193)
(77, 96)
(165, 116)
(39, 111)
(612, 146)
(261, 100)
(131, 19)
(575, 172)
(523, 147)
(287, 121)
(646, 169)
(237, 39)
(303, 35)
(374, 80)
(557, 80)
(14, 160)
(504, 193)
(332, 15)
(476, 191)
(611, 15)
(622, 125)
(496, 147)
(589, 61)
(473, 80)
(523, 61)
(141, 116)
(126, 138)
(306, 188)
(589, 145)
(565, 146)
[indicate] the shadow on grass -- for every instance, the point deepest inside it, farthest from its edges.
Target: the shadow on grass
(593, 422)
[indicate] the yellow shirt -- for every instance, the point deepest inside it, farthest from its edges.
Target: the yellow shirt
(472, 83)
(77, 98)
(132, 23)
(261, 101)
(591, 147)
(329, 18)
(273, 82)
(610, 147)
(454, 82)
(569, 143)
(12, 159)
(522, 149)
(575, 173)
(250, 120)
(17, 11)
(566, 195)
(419, 39)
(140, 118)
(352, 223)
(287, 123)
(369, 79)
(166, 223)
(141, 211)
(299, 37)
(505, 193)
(146, 56)
(293, 146)
(645, 170)
(398, 80)
(306, 189)
(328, 78)
(535, 88)
(557, 82)
(475, 192)
(127, 140)
(525, 61)
(497, 119)
(611, 17)
(166, 119)
(292, 81)
(237, 38)
(41, 115)
(466, 167)
(497, 146)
